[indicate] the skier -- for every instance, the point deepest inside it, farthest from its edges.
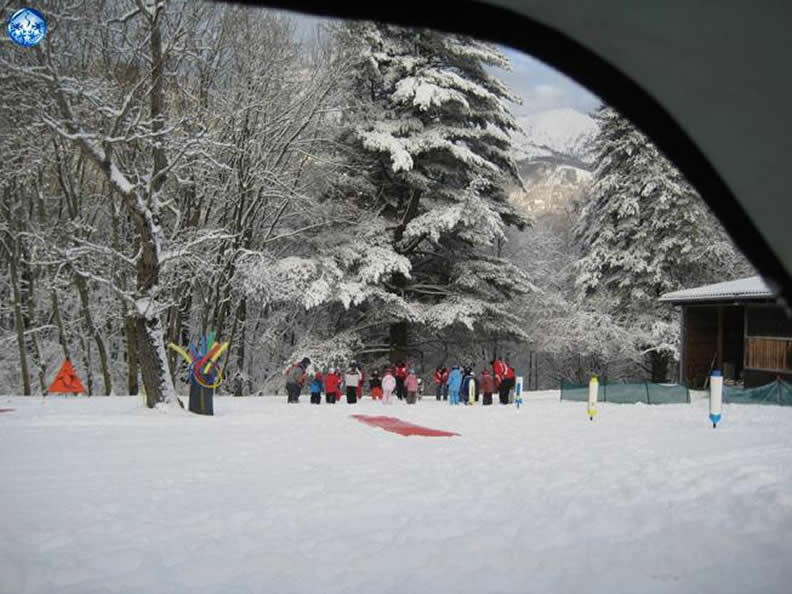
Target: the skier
(295, 378)
(445, 382)
(332, 382)
(454, 383)
(375, 385)
(438, 381)
(400, 374)
(352, 380)
(316, 388)
(411, 385)
(487, 386)
(388, 386)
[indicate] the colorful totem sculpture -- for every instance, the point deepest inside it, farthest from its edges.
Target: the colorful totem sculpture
(204, 374)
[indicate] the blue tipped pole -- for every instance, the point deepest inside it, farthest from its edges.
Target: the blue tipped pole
(716, 397)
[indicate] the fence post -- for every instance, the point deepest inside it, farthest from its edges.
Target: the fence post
(648, 398)
(778, 389)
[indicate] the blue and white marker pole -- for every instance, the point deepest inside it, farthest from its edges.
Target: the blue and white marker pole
(716, 397)
(518, 384)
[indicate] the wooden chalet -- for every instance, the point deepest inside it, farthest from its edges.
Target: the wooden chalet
(736, 326)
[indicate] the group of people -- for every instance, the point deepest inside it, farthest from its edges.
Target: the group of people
(460, 384)
(399, 380)
(457, 385)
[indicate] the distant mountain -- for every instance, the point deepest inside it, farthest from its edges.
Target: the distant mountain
(562, 133)
(552, 153)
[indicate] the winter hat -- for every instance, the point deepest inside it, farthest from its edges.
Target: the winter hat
(305, 362)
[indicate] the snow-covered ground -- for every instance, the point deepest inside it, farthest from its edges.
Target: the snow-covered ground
(102, 495)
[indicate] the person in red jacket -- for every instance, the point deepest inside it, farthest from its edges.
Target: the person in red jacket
(499, 370)
(332, 387)
(400, 374)
(438, 381)
(511, 378)
(487, 386)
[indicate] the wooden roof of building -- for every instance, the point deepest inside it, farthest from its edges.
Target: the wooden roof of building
(743, 289)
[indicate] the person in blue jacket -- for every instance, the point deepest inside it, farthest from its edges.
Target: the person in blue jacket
(316, 388)
(454, 382)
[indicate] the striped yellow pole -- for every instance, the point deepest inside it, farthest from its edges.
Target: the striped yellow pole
(592, 397)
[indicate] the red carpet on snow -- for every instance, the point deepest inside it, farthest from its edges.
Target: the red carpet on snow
(395, 425)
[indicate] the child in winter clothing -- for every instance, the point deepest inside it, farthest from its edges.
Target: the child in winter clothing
(487, 386)
(332, 382)
(360, 383)
(400, 373)
(351, 380)
(388, 386)
(444, 381)
(438, 381)
(375, 385)
(411, 384)
(316, 388)
(470, 387)
(295, 378)
(454, 383)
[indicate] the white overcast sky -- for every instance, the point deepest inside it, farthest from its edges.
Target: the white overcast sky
(540, 86)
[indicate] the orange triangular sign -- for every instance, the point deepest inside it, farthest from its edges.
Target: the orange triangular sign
(66, 382)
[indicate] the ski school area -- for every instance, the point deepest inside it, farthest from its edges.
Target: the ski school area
(102, 494)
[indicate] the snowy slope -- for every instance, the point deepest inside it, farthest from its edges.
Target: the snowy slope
(101, 495)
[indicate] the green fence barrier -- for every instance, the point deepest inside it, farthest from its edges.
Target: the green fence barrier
(645, 392)
(578, 392)
(778, 392)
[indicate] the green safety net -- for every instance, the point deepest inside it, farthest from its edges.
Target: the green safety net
(625, 393)
(577, 392)
(778, 392)
(645, 392)
(667, 393)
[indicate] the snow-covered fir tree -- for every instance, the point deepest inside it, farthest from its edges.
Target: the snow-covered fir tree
(425, 155)
(644, 231)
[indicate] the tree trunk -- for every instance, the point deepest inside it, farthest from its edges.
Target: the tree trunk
(19, 322)
(399, 334)
(130, 332)
(29, 321)
(64, 342)
(241, 319)
(93, 331)
(150, 335)
(86, 352)
(659, 362)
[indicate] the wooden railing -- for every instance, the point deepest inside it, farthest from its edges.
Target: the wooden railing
(772, 354)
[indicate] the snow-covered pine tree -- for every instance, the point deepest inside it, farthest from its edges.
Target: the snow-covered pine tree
(426, 155)
(644, 231)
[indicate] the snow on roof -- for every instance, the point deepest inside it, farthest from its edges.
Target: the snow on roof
(752, 287)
